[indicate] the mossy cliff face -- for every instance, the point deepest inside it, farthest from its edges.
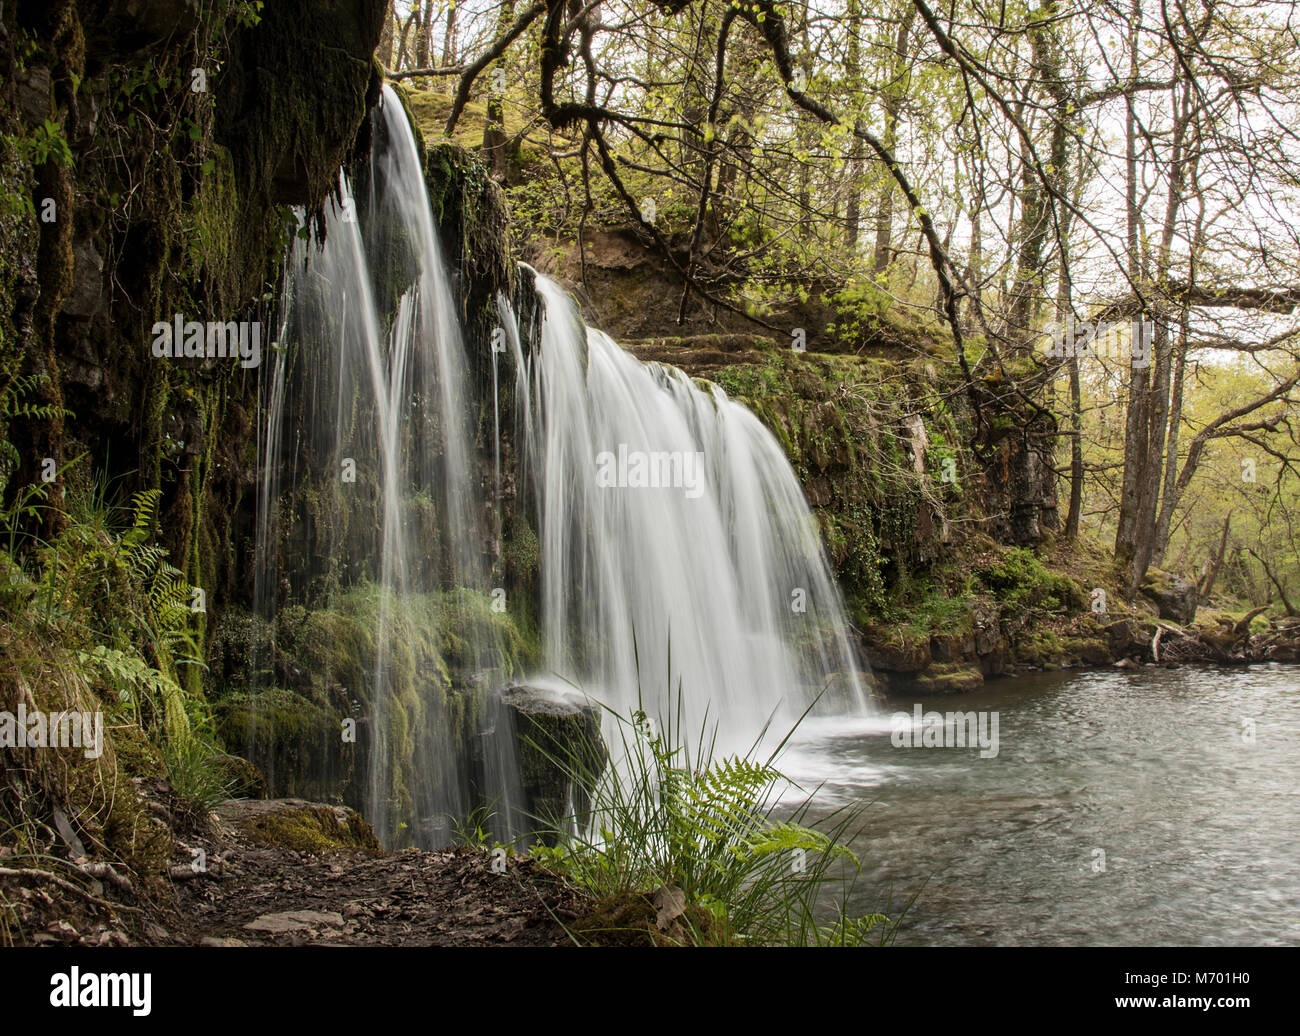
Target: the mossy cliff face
(150, 156)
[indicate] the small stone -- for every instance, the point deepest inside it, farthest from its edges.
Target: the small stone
(294, 921)
(670, 904)
(221, 940)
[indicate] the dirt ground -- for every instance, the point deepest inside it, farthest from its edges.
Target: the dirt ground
(287, 872)
(252, 891)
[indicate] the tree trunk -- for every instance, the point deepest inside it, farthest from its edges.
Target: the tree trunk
(385, 51)
(423, 21)
(1136, 417)
(1152, 458)
(494, 124)
(1212, 574)
(449, 40)
(894, 96)
(853, 76)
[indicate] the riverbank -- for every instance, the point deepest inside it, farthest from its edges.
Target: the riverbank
(1009, 612)
(906, 664)
(1080, 754)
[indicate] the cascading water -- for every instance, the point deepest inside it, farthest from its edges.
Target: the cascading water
(673, 532)
(677, 550)
(381, 384)
(675, 547)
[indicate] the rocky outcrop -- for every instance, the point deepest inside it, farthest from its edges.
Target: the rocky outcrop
(992, 643)
(561, 751)
(309, 827)
(1174, 597)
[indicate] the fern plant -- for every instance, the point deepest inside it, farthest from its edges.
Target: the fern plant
(142, 690)
(104, 602)
(116, 601)
(665, 817)
(26, 503)
(166, 607)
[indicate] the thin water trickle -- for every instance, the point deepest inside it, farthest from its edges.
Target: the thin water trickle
(380, 383)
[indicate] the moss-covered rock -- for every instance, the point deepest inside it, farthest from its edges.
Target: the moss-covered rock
(939, 678)
(1174, 597)
(307, 827)
(296, 743)
(443, 653)
(1087, 651)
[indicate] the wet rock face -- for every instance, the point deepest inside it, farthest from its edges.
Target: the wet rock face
(87, 295)
(128, 26)
(302, 85)
(33, 94)
(561, 751)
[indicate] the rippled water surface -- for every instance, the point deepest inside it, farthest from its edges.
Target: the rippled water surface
(1199, 827)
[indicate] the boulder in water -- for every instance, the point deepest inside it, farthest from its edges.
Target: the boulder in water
(561, 752)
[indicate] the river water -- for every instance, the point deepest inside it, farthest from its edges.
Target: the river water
(1148, 807)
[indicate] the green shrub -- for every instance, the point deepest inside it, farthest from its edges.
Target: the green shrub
(1021, 582)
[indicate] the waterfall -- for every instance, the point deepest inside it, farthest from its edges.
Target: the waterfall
(379, 398)
(677, 549)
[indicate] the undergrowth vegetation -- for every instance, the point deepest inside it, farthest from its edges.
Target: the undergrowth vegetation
(95, 621)
(102, 601)
(681, 845)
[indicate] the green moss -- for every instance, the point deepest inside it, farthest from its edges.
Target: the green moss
(444, 652)
(1088, 650)
(101, 796)
(1040, 647)
(313, 829)
(934, 602)
(839, 419)
(629, 919)
(474, 222)
(949, 678)
(294, 741)
(1021, 581)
